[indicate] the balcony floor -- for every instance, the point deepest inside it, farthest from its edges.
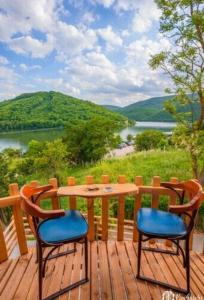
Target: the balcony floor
(112, 268)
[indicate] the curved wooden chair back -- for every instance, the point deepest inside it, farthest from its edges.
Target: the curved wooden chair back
(192, 189)
(30, 204)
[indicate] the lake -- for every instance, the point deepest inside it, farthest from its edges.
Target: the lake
(20, 140)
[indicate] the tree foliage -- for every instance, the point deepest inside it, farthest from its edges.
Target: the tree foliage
(182, 21)
(47, 158)
(89, 141)
(150, 139)
(50, 110)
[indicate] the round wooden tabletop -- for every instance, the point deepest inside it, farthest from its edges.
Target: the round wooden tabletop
(98, 190)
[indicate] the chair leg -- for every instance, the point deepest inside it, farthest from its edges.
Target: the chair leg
(186, 256)
(86, 258)
(139, 255)
(187, 265)
(40, 270)
(36, 252)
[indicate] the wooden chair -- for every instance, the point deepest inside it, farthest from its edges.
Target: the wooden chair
(153, 223)
(53, 229)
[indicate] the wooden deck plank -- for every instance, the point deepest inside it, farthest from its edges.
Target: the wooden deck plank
(26, 281)
(95, 291)
(118, 288)
(50, 267)
(66, 278)
(5, 279)
(128, 275)
(106, 292)
(57, 274)
(16, 277)
(76, 273)
(154, 289)
(85, 288)
(112, 270)
(198, 262)
(4, 267)
(194, 277)
(142, 286)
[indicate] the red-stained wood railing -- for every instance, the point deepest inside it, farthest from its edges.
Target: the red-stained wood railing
(101, 227)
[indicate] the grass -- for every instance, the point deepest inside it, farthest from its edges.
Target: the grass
(166, 164)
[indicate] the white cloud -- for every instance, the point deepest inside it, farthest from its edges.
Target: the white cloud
(3, 60)
(108, 35)
(35, 47)
(70, 40)
(22, 15)
(143, 48)
(145, 12)
(26, 68)
(89, 17)
(105, 3)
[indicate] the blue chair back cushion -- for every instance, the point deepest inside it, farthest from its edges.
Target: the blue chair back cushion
(69, 227)
(156, 222)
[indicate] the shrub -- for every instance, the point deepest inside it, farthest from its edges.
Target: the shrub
(150, 139)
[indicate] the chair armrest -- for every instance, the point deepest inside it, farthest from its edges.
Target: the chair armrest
(49, 214)
(179, 209)
(43, 188)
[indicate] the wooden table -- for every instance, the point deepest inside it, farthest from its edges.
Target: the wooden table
(104, 191)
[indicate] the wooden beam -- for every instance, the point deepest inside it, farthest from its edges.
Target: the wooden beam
(137, 205)
(3, 249)
(71, 181)
(54, 198)
(172, 201)
(90, 209)
(121, 211)
(105, 206)
(18, 220)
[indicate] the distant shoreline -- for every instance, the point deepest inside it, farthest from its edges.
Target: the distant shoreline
(30, 130)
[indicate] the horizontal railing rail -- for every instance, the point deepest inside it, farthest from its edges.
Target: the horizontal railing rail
(103, 227)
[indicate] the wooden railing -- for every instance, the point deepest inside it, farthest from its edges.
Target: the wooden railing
(102, 227)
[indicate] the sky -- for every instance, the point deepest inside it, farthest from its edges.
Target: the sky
(96, 50)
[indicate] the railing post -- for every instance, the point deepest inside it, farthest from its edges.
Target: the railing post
(55, 200)
(172, 201)
(105, 206)
(18, 220)
(155, 197)
(90, 207)
(3, 249)
(138, 200)
(121, 211)
(71, 181)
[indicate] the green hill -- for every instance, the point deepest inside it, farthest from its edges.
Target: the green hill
(150, 110)
(50, 110)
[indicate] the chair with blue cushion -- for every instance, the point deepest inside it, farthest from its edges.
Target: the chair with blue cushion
(53, 229)
(175, 225)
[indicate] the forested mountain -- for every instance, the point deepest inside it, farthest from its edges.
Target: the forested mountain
(50, 110)
(150, 110)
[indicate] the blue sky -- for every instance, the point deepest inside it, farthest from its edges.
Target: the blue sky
(91, 49)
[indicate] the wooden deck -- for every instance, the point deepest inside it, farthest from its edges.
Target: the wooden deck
(112, 268)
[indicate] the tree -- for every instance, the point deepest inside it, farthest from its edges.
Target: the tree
(47, 158)
(89, 141)
(130, 137)
(182, 21)
(150, 139)
(7, 176)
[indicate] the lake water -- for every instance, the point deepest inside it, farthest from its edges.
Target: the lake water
(21, 139)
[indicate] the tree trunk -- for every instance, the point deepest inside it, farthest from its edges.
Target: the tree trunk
(194, 163)
(201, 176)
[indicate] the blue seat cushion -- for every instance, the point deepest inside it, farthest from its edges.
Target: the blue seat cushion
(156, 222)
(71, 226)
